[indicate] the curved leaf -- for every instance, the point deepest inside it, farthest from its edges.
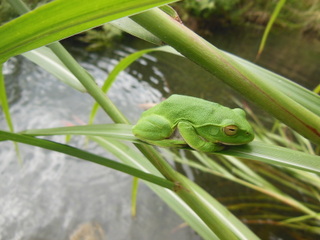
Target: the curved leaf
(276, 155)
(117, 131)
(128, 25)
(60, 19)
(123, 64)
(274, 16)
(75, 152)
(46, 59)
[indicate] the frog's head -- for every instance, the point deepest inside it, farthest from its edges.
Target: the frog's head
(232, 129)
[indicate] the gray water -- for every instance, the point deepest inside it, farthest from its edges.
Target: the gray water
(52, 196)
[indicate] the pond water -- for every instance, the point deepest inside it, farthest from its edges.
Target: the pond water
(52, 196)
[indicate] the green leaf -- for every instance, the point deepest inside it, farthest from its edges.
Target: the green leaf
(117, 131)
(255, 150)
(72, 151)
(46, 59)
(274, 16)
(276, 155)
(123, 64)
(128, 25)
(4, 101)
(5, 107)
(60, 19)
(301, 95)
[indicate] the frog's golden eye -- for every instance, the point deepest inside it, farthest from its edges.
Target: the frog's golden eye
(230, 130)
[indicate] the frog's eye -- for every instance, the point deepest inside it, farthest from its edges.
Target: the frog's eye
(230, 130)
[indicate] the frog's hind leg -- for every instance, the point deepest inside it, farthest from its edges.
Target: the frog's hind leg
(153, 128)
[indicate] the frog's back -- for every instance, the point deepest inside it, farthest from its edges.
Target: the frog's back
(179, 107)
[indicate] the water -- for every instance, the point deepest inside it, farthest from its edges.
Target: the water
(53, 196)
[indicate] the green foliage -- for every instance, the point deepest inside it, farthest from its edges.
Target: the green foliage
(101, 38)
(6, 12)
(303, 15)
(206, 8)
(273, 17)
(200, 210)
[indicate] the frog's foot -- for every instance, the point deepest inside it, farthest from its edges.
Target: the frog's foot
(195, 141)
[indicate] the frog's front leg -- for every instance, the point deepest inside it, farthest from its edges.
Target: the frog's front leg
(195, 141)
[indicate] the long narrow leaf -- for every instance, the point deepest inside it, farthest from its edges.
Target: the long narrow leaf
(60, 19)
(256, 150)
(72, 151)
(4, 101)
(274, 16)
(46, 59)
(117, 131)
(301, 95)
(122, 65)
(128, 25)
(276, 155)
(5, 108)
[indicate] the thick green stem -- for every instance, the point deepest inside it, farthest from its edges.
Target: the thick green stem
(219, 64)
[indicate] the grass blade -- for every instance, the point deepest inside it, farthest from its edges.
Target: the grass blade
(60, 19)
(5, 108)
(128, 25)
(72, 151)
(301, 95)
(46, 59)
(274, 16)
(255, 150)
(276, 155)
(123, 64)
(117, 131)
(4, 101)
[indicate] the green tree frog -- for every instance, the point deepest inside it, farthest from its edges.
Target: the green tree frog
(182, 121)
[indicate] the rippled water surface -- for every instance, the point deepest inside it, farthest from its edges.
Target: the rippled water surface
(53, 196)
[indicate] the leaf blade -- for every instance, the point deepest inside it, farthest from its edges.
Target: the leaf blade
(255, 150)
(60, 19)
(78, 153)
